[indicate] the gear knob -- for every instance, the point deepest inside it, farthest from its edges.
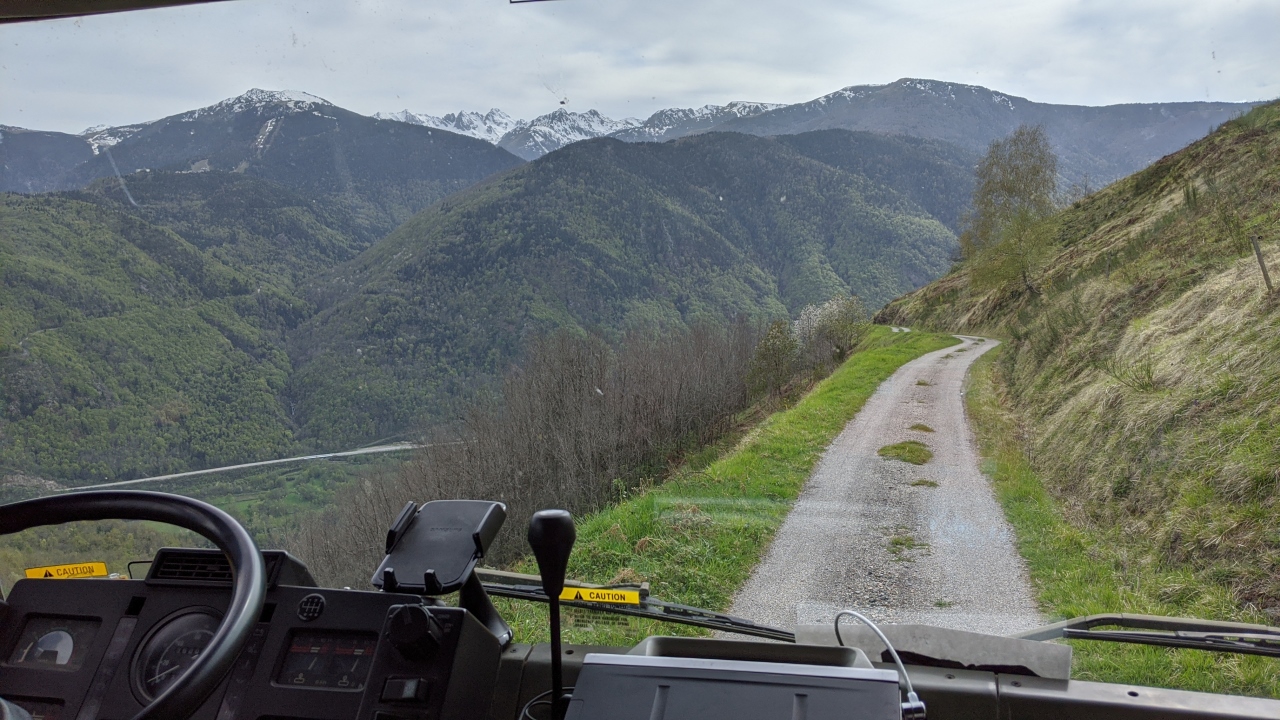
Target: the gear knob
(551, 535)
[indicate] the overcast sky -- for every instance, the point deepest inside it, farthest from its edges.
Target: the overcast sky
(627, 57)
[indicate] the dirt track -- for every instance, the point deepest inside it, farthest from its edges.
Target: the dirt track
(863, 536)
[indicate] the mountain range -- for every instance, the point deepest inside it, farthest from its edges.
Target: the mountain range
(380, 171)
(1095, 144)
(534, 138)
(274, 273)
(169, 320)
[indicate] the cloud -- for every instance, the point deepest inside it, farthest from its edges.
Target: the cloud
(625, 58)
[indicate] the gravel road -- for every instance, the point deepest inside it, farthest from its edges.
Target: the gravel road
(874, 535)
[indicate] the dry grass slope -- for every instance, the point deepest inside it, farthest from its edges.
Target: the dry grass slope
(1145, 371)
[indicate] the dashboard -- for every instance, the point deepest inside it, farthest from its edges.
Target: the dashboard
(95, 648)
(99, 649)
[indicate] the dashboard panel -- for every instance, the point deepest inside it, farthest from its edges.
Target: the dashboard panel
(95, 648)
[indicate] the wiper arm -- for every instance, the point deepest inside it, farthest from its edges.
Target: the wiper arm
(1216, 635)
(528, 587)
(1266, 644)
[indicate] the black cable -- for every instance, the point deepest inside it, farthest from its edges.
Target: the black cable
(537, 700)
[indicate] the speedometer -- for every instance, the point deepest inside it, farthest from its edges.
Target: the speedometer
(170, 649)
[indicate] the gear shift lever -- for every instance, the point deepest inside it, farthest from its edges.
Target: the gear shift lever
(551, 535)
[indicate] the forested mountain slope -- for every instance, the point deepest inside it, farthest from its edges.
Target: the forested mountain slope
(30, 160)
(1146, 364)
(606, 236)
(125, 350)
(935, 175)
(268, 231)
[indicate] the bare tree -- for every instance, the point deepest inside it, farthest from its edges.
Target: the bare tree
(1008, 234)
(576, 425)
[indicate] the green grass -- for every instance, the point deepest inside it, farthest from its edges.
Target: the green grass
(924, 483)
(912, 451)
(901, 546)
(1083, 570)
(697, 537)
(924, 383)
(921, 427)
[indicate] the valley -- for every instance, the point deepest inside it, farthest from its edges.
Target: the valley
(260, 258)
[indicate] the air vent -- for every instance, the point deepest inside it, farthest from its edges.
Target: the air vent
(190, 566)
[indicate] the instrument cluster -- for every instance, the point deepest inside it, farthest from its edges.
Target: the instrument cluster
(83, 648)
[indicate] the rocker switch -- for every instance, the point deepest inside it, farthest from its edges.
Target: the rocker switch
(404, 690)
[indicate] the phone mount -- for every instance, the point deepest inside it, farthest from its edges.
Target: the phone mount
(432, 550)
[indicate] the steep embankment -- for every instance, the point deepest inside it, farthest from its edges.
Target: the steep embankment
(608, 236)
(1146, 371)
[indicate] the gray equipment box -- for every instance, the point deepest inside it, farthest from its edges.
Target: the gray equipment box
(630, 687)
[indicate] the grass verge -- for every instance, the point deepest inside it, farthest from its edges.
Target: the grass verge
(697, 537)
(1085, 570)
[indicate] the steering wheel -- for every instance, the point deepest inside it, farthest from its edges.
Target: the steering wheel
(249, 574)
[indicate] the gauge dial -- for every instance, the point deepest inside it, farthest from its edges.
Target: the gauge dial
(171, 649)
(338, 661)
(54, 643)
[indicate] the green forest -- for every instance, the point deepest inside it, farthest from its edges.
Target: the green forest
(606, 237)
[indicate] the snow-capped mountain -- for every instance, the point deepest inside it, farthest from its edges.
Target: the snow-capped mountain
(255, 97)
(101, 136)
(553, 131)
(490, 126)
(293, 139)
(534, 138)
(679, 122)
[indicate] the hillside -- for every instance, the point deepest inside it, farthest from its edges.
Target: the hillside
(33, 161)
(268, 231)
(126, 350)
(379, 171)
(935, 175)
(1145, 371)
(612, 237)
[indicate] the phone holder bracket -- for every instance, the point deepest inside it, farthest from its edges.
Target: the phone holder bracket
(432, 550)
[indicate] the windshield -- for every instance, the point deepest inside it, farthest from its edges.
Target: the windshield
(951, 314)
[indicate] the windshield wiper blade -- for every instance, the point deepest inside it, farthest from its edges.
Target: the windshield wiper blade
(1266, 644)
(654, 609)
(1215, 635)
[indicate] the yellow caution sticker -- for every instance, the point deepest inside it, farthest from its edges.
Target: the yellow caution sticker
(601, 595)
(66, 572)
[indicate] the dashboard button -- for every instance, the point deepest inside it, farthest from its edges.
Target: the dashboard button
(404, 690)
(311, 607)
